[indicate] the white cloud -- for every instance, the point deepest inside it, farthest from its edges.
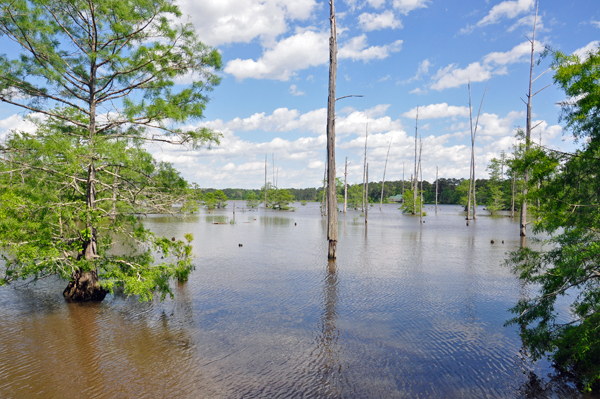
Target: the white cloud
(417, 91)
(295, 92)
(493, 64)
(519, 53)
(527, 23)
(506, 9)
(595, 23)
(286, 120)
(303, 50)
(376, 3)
(406, 6)
(422, 69)
(300, 51)
(369, 22)
(356, 49)
(584, 51)
(433, 111)
(227, 21)
(451, 76)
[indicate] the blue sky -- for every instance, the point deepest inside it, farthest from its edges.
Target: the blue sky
(398, 54)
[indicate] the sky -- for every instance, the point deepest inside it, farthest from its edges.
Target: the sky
(399, 55)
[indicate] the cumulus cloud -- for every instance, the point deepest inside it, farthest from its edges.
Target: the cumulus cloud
(493, 63)
(226, 21)
(433, 111)
(294, 91)
(527, 23)
(583, 52)
(506, 9)
(406, 6)
(386, 20)
(303, 50)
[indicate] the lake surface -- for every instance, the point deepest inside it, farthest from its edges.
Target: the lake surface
(408, 310)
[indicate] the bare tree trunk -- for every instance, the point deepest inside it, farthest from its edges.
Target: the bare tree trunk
(323, 201)
(265, 181)
(437, 180)
(523, 217)
(416, 176)
(473, 136)
(402, 182)
(365, 167)
(367, 199)
(421, 195)
(384, 169)
(346, 186)
(471, 161)
(332, 222)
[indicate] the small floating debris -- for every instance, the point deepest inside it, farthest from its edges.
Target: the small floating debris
(240, 245)
(492, 242)
(219, 223)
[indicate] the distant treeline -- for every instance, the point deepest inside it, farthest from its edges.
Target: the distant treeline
(447, 193)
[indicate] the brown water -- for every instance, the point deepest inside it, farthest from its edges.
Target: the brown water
(407, 311)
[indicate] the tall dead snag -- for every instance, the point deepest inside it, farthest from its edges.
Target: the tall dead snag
(266, 188)
(528, 128)
(415, 176)
(365, 166)
(367, 198)
(332, 223)
(437, 180)
(473, 136)
(421, 194)
(384, 169)
(346, 186)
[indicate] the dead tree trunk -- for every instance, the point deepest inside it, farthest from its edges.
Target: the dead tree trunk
(332, 223)
(421, 194)
(365, 167)
(384, 169)
(416, 176)
(523, 216)
(346, 186)
(367, 199)
(437, 179)
(323, 201)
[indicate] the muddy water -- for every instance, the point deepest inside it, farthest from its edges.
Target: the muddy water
(407, 311)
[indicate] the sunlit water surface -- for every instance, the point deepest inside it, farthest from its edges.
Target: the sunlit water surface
(409, 310)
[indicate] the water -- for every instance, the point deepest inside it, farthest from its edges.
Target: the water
(406, 311)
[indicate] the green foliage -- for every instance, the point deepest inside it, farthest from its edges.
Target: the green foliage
(251, 200)
(216, 199)
(354, 196)
(569, 213)
(106, 76)
(495, 195)
(409, 205)
(277, 198)
(43, 208)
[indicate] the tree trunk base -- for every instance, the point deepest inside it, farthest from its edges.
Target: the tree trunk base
(84, 287)
(332, 249)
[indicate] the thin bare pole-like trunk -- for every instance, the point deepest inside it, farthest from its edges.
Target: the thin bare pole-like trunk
(384, 169)
(437, 180)
(346, 186)
(266, 180)
(421, 194)
(365, 167)
(402, 181)
(113, 213)
(471, 160)
(415, 176)
(367, 199)
(472, 187)
(332, 222)
(523, 216)
(323, 210)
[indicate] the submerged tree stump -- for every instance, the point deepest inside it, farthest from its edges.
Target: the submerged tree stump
(84, 287)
